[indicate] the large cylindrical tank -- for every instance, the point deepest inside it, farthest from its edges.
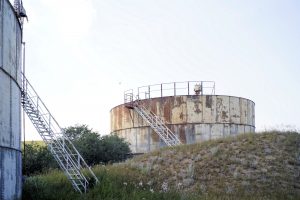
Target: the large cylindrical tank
(193, 118)
(10, 110)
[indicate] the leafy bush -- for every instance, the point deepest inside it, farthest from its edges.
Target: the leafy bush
(94, 149)
(114, 149)
(37, 159)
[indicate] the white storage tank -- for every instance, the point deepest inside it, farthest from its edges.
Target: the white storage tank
(190, 109)
(10, 106)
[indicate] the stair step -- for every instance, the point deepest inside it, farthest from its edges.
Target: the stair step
(158, 125)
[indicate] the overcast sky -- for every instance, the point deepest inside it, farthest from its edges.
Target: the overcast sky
(82, 54)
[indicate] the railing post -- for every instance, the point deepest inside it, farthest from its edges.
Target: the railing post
(174, 89)
(201, 87)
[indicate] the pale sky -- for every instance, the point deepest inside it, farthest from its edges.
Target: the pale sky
(82, 54)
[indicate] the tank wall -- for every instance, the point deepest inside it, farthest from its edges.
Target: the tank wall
(193, 118)
(188, 110)
(144, 139)
(10, 106)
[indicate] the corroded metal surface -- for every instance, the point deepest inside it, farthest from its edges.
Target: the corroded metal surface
(194, 118)
(10, 118)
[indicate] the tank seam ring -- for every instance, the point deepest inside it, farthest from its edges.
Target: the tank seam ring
(185, 124)
(11, 148)
(11, 77)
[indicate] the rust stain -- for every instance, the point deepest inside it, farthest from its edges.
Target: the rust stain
(167, 110)
(178, 101)
(208, 102)
(224, 115)
(219, 108)
(181, 116)
(196, 106)
(153, 106)
(119, 117)
(154, 136)
(182, 136)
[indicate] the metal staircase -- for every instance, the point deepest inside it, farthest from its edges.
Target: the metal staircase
(63, 150)
(155, 122)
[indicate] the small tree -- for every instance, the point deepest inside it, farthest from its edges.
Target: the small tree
(96, 149)
(114, 149)
(75, 132)
(88, 146)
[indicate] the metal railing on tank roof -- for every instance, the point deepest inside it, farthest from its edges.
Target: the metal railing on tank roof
(172, 89)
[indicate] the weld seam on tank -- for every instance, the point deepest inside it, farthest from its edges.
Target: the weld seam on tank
(11, 148)
(11, 77)
(150, 127)
(185, 124)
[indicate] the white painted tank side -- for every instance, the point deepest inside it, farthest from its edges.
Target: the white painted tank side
(10, 105)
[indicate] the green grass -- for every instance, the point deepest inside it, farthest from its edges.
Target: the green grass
(115, 183)
(249, 166)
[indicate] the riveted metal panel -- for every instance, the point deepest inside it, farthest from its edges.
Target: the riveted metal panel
(244, 111)
(178, 111)
(249, 113)
(247, 129)
(9, 160)
(253, 115)
(194, 109)
(234, 130)
(130, 136)
(222, 109)
(9, 41)
(127, 118)
(5, 114)
(226, 130)
(217, 131)
(202, 132)
(142, 140)
(235, 113)
(15, 118)
(209, 108)
(241, 129)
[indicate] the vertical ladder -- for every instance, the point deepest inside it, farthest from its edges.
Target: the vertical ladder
(155, 122)
(63, 150)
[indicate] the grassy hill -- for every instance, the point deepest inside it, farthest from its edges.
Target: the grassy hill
(250, 166)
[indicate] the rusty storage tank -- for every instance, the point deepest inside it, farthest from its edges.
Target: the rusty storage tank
(10, 106)
(190, 109)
